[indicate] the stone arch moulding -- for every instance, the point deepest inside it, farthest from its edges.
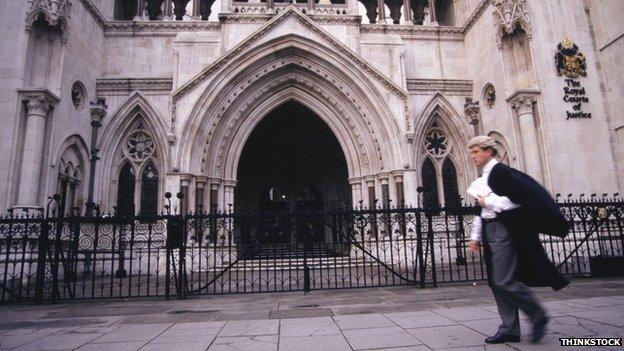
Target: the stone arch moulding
(312, 75)
(135, 108)
(331, 48)
(83, 151)
(500, 138)
(456, 128)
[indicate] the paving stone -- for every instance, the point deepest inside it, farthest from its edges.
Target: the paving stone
(448, 337)
(360, 339)
(199, 325)
(406, 348)
(466, 313)
(301, 313)
(245, 343)
(308, 327)
(137, 332)
(250, 328)
(58, 342)
(109, 346)
(189, 335)
(314, 343)
(612, 315)
(363, 321)
(419, 319)
(186, 346)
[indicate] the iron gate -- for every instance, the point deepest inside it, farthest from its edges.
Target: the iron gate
(50, 259)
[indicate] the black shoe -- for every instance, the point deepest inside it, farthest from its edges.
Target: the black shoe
(500, 338)
(539, 329)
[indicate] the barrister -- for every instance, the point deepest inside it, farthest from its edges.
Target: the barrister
(515, 208)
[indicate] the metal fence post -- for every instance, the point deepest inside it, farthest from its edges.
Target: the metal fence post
(41, 262)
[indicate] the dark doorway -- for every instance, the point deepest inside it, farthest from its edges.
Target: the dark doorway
(291, 164)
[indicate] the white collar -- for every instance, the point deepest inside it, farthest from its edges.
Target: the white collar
(488, 166)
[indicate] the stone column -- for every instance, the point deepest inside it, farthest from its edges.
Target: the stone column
(473, 114)
(356, 191)
(398, 181)
(385, 190)
(200, 185)
(381, 11)
(38, 104)
(167, 11)
(522, 105)
(370, 185)
(432, 13)
(407, 12)
(214, 196)
(196, 15)
(139, 12)
(184, 189)
(228, 194)
(98, 111)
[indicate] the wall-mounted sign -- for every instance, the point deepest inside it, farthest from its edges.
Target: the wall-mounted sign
(571, 64)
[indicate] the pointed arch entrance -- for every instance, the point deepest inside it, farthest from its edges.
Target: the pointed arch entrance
(291, 163)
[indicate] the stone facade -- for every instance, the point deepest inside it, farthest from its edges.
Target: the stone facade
(91, 100)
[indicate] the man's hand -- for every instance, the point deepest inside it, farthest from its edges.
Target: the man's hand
(474, 246)
(481, 201)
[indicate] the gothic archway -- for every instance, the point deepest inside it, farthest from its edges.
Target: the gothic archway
(291, 163)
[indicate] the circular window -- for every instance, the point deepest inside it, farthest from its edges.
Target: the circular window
(489, 95)
(78, 95)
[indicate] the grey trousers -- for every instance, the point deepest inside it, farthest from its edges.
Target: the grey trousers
(510, 294)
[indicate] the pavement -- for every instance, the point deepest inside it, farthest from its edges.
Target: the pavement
(400, 318)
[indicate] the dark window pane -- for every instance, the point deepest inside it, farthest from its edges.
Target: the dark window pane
(430, 185)
(449, 179)
(149, 190)
(125, 191)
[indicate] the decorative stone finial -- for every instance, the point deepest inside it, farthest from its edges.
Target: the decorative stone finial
(55, 12)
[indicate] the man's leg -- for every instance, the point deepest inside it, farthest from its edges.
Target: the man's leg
(510, 291)
(508, 312)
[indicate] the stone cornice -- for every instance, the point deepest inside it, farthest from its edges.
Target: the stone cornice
(416, 32)
(111, 86)
(448, 86)
(158, 27)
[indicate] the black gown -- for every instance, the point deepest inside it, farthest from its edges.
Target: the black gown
(538, 213)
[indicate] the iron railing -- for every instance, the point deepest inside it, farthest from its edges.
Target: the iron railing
(60, 258)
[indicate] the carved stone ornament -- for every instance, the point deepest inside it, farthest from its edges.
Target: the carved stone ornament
(569, 61)
(139, 146)
(510, 14)
(55, 12)
(523, 104)
(436, 143)
(472, 111)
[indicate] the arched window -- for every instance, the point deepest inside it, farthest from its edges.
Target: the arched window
(449, 180)
(438, 170)
(69, 186)
(137, 190)
(149, 190)
(125, 190)
(430, 184)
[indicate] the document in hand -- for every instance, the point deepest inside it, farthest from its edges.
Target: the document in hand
(478, 188)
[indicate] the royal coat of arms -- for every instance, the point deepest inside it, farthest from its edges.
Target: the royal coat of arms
(569, 61)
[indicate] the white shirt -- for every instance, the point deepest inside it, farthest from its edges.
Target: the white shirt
(493, 203)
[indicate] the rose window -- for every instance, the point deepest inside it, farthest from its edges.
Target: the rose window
(436, 143)
(140, 146)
